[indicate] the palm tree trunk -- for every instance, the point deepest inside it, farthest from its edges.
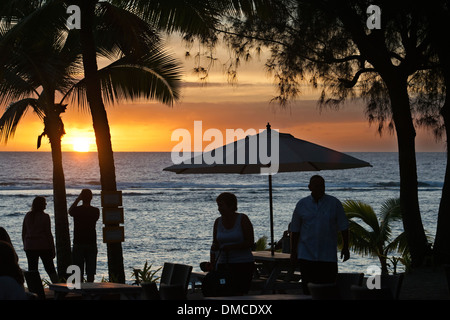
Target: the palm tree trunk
(62, 234)
(383, 263)
(409, 200)
(54, 129)
(101, 126)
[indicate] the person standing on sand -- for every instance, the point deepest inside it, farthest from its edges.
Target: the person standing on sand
(84, 251)
(38, 239)
(315, 224)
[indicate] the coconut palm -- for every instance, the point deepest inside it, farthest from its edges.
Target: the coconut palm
(32, 74)
(29, 79)
(190, 17)
(369, 236)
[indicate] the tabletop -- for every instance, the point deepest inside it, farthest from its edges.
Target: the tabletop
(267, 256)
(97, 289)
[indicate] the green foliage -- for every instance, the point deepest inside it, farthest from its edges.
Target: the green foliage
(369, 236)
(326, 45)
(261, 244)
(146, 274)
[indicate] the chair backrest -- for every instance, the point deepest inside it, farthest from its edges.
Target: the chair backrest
(174, 281)
(345, 280)
(324, 291)
(34, 283)
(181, 274)
(166, 273)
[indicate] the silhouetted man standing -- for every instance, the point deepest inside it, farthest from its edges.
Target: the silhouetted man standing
(84, 252)
(315, 224)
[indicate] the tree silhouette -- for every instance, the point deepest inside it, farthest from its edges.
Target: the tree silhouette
(53, 63)
(328, 45)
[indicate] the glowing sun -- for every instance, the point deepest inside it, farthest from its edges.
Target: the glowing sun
(81, 144)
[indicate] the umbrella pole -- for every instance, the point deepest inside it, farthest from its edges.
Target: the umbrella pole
(271, 216)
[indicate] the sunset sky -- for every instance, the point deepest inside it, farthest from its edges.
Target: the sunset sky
(148, 125)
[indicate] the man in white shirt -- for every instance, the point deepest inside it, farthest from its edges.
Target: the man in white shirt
(315, 224)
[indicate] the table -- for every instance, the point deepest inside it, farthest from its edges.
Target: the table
(275, 264)
(96, 290)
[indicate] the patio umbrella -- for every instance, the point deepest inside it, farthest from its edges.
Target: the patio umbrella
(267, 152)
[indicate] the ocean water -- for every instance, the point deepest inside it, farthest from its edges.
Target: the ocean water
(169, 217)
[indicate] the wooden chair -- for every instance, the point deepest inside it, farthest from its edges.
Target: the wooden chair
(174, 281)
(166, 273)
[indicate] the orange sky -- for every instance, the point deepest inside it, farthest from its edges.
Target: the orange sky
(148, 126)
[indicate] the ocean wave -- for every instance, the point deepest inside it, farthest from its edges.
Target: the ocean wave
(7, 184)
(14, 214)
(92, 183)
(139, 188)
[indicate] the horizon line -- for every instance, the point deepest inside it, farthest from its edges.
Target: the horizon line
(83, 152)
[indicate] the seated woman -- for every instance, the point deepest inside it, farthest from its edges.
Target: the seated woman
(11, 276)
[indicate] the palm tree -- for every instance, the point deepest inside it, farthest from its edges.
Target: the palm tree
(368, 236)
(118, 19)
(151, 75)
(190, 17)
(30, 79)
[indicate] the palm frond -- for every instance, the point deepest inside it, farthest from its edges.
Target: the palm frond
(363, 211)
(390, 211)
(47, 18)
(13, 10)
(119, 32)
(374, 238)
(13, 114)
(154, 76)
(13, 87)
(399, 244)
(30, 61)
(185, 16)
(360, 239)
